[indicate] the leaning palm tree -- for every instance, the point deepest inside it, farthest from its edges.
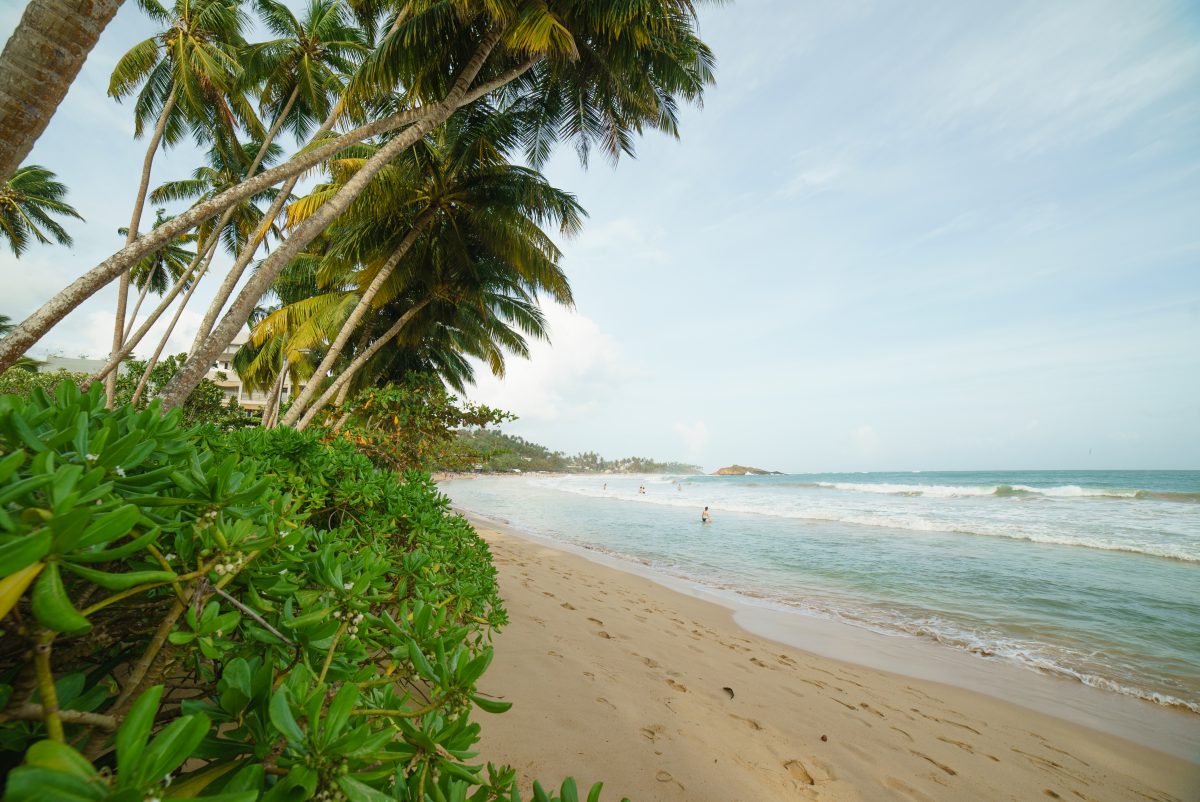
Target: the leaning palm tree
(24, 363)
(624, 65)
(161, 267)
(456, 180)
(301, 73)
(486, 276)
(188, 77)
(38, 65)
(639, 63)
(27, 201)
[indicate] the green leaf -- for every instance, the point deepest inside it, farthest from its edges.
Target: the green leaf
(52, 606)
(9, 464)
(32, 784)
(419, 662)
(171, 747)
(109, 527)
(120, 581)
(339, 712)
(490, 705)
(61, 758)
(134, 730)
(282, 718)
(24, 550)
(361, 792)
(594, 794)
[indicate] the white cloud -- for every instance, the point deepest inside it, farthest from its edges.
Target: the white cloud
(694, 436)
(620, 238)
(566, 378)
(1057, 74)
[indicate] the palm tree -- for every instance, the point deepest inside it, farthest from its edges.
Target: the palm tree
(188, 76)
(457, 179)
(24, 363)
(485, 304)
(26, 203)
(38, 66)
(301, 73)
(515, 53)
(160, 268)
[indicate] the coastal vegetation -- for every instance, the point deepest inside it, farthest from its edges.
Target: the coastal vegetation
(496, 452)
(198, 602)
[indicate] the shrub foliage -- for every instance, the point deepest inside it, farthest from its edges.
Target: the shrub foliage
(235, 616)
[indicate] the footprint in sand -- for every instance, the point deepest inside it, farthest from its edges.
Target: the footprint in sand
(567, 606)
(799, 772)
(663, 776)
(650, 663)
(653, 732)
(596, 621)
(604, 635)
(941, 766)
(553, 653)
(679, 686)
(758, 662)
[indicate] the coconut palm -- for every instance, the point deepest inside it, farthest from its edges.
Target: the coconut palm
(39, 64)
(301, 73)
(485, 305)
(189, 80)
(24, 363)
(225, 165)
(521, 53)
(159, 269)
(27, 201)
(457, 179)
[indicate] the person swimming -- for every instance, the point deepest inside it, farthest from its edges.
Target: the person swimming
(705, 517)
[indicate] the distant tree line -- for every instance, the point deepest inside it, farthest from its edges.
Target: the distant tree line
(504, 453)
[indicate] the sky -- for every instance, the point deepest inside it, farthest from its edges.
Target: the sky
(919, 236)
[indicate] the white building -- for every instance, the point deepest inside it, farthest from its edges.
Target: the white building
(223, 374)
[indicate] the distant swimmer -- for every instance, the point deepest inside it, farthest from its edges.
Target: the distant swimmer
(606, 485)
(705, 517)
(642, 489)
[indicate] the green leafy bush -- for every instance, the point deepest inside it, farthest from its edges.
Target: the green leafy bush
(233, 616)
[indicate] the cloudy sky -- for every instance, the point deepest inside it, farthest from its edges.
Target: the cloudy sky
(898, 236)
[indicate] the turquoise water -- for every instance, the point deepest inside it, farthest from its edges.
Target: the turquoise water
(1093, 575)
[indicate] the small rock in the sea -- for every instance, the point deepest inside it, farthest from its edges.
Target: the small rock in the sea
(824, 737)
(729, 691)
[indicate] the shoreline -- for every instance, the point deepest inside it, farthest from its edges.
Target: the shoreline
(583, 625)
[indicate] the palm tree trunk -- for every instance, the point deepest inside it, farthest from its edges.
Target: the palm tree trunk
(244, 258)
(357, 314)
(274, 400)
(145, 288)
(34, 327)
(162, 342)
(356, 364)
(193, 370)
(38, 66)
(110, 381)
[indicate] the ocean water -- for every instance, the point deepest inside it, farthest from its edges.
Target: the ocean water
(1092, 575)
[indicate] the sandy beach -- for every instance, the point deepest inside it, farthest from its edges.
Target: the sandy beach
(664, 697)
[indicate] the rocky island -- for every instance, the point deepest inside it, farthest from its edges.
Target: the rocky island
(742, 470)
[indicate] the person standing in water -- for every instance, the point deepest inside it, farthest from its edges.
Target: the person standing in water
(704, 516)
